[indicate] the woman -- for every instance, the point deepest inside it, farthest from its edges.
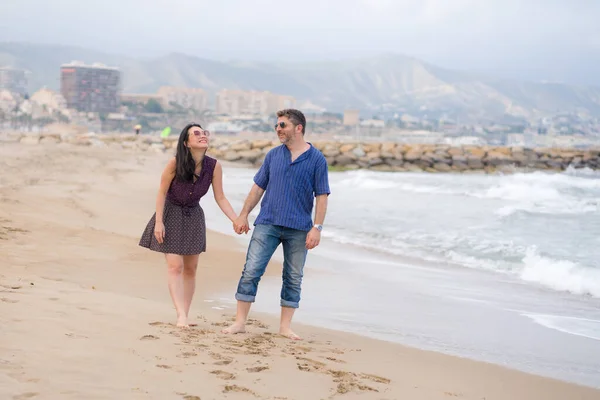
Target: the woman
(178, 228)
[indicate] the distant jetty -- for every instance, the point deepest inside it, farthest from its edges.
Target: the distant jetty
(347, 155)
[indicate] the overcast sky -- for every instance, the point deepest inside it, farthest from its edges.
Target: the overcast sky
(533, 39)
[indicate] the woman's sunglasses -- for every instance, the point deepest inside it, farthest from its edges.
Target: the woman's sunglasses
(199, 133)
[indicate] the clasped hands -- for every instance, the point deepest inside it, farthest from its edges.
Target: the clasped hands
(240, 225)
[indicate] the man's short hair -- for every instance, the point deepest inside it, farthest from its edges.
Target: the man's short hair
(295, 116)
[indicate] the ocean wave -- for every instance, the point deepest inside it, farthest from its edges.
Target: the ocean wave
(561, 275)
(544, 193)
(365, 180)
(524, 263)
(574, 191)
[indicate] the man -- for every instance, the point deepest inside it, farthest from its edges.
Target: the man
(291, 176)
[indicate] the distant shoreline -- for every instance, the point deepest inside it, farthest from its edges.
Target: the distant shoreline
(350, 155)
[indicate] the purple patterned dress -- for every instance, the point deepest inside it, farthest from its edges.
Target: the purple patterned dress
(185, 227)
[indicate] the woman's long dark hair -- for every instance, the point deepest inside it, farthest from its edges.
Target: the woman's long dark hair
(183, 158)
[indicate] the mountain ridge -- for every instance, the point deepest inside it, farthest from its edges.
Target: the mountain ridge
(374, 84)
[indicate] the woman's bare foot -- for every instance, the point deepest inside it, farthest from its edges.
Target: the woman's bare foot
(288, 333)
(235, 328)
(182, 322)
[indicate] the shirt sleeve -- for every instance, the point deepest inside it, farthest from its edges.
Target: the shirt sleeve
(262, 176)
(322, 178)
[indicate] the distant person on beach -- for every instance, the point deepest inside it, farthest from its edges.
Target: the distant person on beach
(178, 228)
(291, 176)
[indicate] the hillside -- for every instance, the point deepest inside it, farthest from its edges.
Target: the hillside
(388, 82)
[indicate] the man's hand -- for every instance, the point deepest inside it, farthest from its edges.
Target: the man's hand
(313, 238)
(240, 225)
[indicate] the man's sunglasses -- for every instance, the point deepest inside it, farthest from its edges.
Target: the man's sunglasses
(199, 133)
(280, 125)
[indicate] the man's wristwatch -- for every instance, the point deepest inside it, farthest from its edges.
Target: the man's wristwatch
(319, 227)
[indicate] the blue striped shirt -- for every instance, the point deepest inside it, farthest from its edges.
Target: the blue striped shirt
(290, 187)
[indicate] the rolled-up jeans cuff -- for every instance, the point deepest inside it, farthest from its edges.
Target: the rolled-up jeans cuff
(245, 297)
(290, 304)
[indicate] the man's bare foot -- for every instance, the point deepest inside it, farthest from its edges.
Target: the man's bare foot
(288, 333)
(235, 328)
(182, 322)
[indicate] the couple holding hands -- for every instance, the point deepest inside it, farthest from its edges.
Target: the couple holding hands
(290, 178)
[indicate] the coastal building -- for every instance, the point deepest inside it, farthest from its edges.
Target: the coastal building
(251, 102)
(13, 80)
(189, 98)
(50, 100)
(142, 98)
(91, 88)
(8, 102)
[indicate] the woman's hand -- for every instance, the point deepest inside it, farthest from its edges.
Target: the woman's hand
(159, 232)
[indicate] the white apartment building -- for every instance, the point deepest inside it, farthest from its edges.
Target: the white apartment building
(251, 102)
(194, 98)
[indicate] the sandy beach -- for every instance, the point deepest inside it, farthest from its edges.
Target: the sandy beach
(85, 312)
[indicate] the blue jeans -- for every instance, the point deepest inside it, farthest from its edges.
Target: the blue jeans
(265, 240)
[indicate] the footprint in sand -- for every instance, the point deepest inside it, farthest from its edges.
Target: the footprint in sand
(187, 354)
(257, 323)
(5, 300)
(74, 335)
(375, 378)
(218, 356)
(149, 337)
(27, 395)
(346, 381)
(236, 388)
(223, 362)
(349, 381)
(186, 396)
(260, 368)
(304, 349)
(347, 387)
(12, 287)
(310, 365)
(335, 360)
(223, 374)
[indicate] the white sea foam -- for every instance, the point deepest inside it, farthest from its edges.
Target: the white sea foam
(560, 275)
(556, 193)
(526, 263)
(588, 328)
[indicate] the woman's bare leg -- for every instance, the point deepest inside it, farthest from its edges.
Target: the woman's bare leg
(190, 265)
(175, 268)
